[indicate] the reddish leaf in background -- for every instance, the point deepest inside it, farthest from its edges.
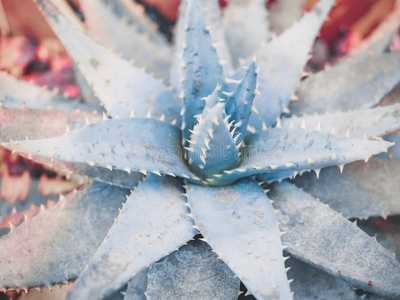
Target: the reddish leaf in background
(169, 8)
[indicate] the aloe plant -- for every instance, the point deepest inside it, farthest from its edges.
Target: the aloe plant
(167, 163)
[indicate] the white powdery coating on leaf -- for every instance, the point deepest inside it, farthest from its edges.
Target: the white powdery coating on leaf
(120, 30)
(192, 272)
(55, 245)
(152, 223)
(118, 84)
(356, 193)
(238, 222)
(350, 84)
(135, 144)
(318, 235)
(290, 49)
(378, 121)
(246, 27)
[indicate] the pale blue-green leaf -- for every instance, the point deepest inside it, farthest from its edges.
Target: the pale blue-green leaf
(19, 124)
(122, 87)
(311, 283)
(281, 62)
(239, 105)
(239, 223)
(202, 69)
(54, 246)
(151, 224)
(212, 147)
(318, 235)
(212, 19)
(136, 16)
(124, 35)
(377, 121)
(16, 93)
(350, 84)
(364, 190)
(285, 13)
(246, 27)
(192, 272)
(132, 144)
(281, 151)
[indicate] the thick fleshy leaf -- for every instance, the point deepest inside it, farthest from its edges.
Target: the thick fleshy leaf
(137, 287)
(246, 27)
(311, 283)
(136, 16)
(213, 21)
(19, 124)
(240, 104)
(16, 93)
(290, 49)
(213, 147)
(202, 70)
(151, 224)
(132, 144)
(284, 13)
(350, 84)
(212, 16)
(322, 237)
(377, 121)
(54, 246)
(280, 152)
(192, 272)
(355, 193)
(239, 223)
(386, 231)
(122, 87)
(110, 24)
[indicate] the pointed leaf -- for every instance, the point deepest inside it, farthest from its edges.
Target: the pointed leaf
(246, 27)
(284, 13)
(119, 85)
(136, 16)
(151, 224)
(240, 104)
(355, 193)
(202, 68)
(281, 62)
(137, 287)
(212, 19)
(54, 246)
(320, 236)
(279, 152)
(349, 84)
(212, 146)
(139, 145)
(15, 93)
(112, 30)
(311, 283)
(17, 124)
(192, 272)
(239, 223)
(378, 121)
